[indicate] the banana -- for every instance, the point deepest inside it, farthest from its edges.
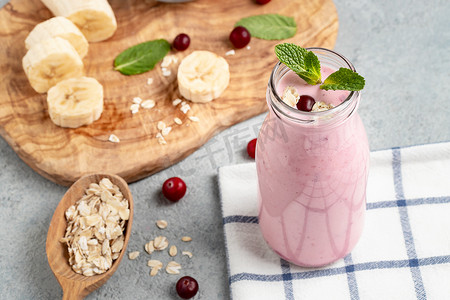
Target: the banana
(51, 61)
(75, 102)
(95, 18)
(203, 76)
(61, 27)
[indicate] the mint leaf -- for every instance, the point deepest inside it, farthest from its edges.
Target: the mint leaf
(269, 26)
(344, 79)
(142, 57)
(292, 56)
(312, 66)
(303, 62)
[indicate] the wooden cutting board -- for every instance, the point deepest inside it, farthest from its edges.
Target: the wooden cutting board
(63, 155)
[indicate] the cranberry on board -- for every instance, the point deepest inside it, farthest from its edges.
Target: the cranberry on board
(262, 1)
(251, 148)
(305, 103)
(187, 287)
(240, 37)
(174, 189)
(181, 42)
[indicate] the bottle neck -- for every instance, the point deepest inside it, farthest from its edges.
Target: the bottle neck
(293, 116)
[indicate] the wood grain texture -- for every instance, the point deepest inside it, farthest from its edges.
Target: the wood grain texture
(76, 286)
(64, 155)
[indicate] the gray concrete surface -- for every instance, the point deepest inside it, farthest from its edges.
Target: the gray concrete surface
(400, 47)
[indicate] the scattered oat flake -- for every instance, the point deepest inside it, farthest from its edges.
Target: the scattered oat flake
(161, 224)
(161, 139)
(160, 243)
(149, 247)
(168, 60)
(248, 47)
(176, 102)
(321, 106)
(147, 104)
(231, 52)
(154, 263)
(166, 131)
(173, 250)
(194, 119)
(134, 107)
(178, 121)
(154, 271)
(166, 72)
(137, 100)
(133, 255)
(149, 81)
(113, 138)
(185, 108)
(187, 253)
(290, 96)
(186, 239)
(161, 125)
(173, 268)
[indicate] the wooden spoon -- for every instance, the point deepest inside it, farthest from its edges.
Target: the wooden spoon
(76, 286)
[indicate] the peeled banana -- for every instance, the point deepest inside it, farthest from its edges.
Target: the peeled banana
(203, 76)
(49, 62)
(58, 27)
(95, 18)
(75, 102)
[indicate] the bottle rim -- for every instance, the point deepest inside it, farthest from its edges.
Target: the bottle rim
(307, 117)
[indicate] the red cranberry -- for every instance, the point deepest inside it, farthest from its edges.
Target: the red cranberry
(181, 42)
(174, 189)
(262, 1)
(305, 103)
(187, 287)
(240, 37)
(251, 148)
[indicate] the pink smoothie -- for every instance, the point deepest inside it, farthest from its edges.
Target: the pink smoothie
(312, 180)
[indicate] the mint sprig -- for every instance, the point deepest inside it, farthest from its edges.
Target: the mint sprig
(142, 57)
(306, 65)
(269, 26)
(344, 79)
(303, 62)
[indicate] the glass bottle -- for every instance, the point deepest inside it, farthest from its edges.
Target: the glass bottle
(312, 174)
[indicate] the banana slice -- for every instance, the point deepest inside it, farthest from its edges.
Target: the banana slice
(95, 18)
(51, 61)
(203, 76)
(58, 27)
(75, 102)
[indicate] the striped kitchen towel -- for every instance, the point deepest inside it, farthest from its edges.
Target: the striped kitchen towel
(404, 252)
